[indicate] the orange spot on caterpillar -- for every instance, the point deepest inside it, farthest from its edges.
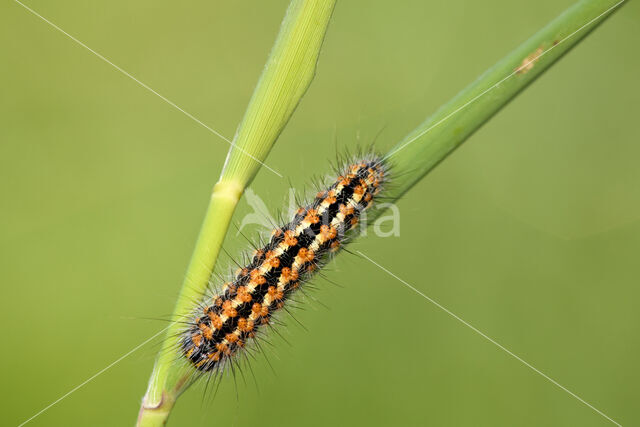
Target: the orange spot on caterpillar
(257, 278)
(216, 321)
(256, 308)
(264, 311)
(328, 232)
(329, 200)
(196, 339)
(275, 293)
(346, 210)
(289, 238)
(312, 216)
(306, 255)
(244, 295)
(245, 325)
(228, 309)
(232, 338)
(288, 275)
(223, 348)
(207, 332)
(272, 260)
(260, 310)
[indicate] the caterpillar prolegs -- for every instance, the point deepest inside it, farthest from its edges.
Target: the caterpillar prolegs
(229, 319)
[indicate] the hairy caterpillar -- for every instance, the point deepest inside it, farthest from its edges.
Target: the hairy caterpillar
(227, 320)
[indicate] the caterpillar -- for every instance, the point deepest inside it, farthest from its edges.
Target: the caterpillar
(226, 321)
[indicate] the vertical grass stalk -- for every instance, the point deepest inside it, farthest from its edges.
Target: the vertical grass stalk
(287, 74)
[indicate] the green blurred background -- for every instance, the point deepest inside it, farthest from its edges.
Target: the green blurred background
(530, 232)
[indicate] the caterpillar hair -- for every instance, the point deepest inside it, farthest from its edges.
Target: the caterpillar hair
(226, 321)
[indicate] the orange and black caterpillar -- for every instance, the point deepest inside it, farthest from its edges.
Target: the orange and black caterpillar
(226, 321)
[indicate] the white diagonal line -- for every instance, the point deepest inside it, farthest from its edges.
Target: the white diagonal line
(491, 340)
(517, 70)
(165, 99)
(91, 378)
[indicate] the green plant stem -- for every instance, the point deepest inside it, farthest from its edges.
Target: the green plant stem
(434, 139)
(284, 80)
